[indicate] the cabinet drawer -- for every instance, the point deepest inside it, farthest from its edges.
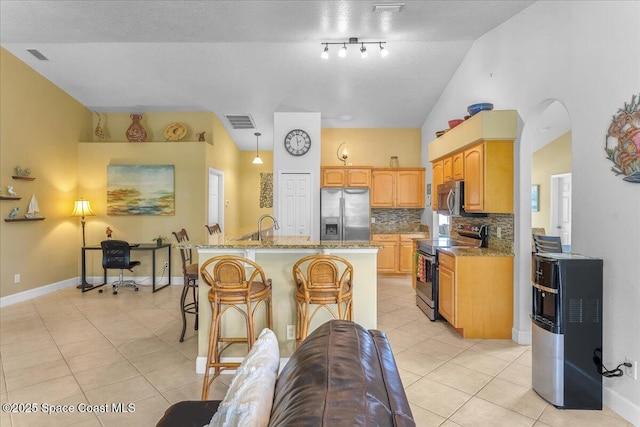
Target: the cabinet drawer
(385, 237)
(446, 261)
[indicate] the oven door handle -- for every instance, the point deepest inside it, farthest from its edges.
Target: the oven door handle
(544, 288)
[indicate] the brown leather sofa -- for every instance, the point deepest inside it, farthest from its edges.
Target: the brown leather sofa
(341, 375)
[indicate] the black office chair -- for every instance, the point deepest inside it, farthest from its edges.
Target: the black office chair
(544, 243)
(116, 255)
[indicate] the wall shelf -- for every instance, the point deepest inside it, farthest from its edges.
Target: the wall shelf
(23, 178)
(22, 219)
(10, 198)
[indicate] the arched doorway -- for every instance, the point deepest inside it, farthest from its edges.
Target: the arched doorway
(548, 122)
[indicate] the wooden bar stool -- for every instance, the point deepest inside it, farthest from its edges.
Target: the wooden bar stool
(327, 282)
(230, 288)
(190, 275)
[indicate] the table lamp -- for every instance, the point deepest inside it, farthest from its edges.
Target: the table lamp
(82, 208)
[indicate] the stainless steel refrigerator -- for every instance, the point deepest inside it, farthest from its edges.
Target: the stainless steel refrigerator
(344, 214)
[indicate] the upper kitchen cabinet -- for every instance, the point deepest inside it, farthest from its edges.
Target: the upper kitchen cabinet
(346, 176)
(397, 188)
(437, 178)
(480, 152)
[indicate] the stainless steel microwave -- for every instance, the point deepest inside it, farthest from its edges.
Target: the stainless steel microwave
(450, 197)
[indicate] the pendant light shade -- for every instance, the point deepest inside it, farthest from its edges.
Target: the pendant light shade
(257, 160)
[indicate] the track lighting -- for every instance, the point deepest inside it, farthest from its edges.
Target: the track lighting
(363, 52)
(325, 52)
(342, 51)
(383, 52)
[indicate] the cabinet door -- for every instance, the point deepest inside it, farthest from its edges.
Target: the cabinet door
(474, 179)
(447, 167)
(388, 253)
(358, 177)
(446, 293)
(383, 185)
(406, 255)
(410, 189)
(437, 178)
(333, 177)
(458, 167)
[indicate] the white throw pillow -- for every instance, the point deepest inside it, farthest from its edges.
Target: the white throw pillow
(250, 396)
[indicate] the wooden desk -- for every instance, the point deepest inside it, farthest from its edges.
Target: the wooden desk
(134, 247)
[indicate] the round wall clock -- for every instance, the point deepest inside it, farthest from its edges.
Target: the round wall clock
(297, 142)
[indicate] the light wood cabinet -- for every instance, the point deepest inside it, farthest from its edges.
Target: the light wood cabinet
(388, 253)
(476, 294)
(447, 169)
(458, 166)
(397, 187)
(397, 252)
(488, 182)
(346, 176)
(437, 178)
(446, 288)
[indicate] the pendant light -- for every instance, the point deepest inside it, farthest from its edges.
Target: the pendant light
(257, 160)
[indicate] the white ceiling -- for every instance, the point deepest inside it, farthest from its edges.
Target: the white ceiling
(253, 57)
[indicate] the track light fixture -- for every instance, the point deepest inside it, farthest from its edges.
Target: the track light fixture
(342, 52)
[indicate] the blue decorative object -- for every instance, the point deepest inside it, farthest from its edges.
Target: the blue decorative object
(474, 109)
(14, 213)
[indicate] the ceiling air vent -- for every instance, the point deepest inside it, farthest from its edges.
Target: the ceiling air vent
(37, 54)
(240, 121)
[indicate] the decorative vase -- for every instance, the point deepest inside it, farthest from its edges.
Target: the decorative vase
(136, 132)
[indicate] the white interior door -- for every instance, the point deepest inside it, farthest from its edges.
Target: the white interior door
(295, 204)
(561, 207)
(215, 209)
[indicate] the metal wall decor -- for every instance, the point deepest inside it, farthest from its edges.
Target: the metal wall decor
(623, 136)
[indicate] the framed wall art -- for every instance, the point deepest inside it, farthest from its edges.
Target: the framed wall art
(140, 190)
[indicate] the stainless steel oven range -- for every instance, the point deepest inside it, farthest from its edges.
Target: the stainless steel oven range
(427, 264)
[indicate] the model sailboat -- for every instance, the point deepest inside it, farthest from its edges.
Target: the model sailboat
(33, 211)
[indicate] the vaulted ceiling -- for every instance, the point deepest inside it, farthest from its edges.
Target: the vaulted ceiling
(251, 57)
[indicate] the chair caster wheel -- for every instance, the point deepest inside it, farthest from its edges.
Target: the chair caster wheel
(115, 292)
(136, 289)
(99, 291)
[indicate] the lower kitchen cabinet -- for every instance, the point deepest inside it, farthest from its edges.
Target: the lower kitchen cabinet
(476, 294)
(397, 252)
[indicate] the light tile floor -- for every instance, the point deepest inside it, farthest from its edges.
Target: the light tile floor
(91, 350)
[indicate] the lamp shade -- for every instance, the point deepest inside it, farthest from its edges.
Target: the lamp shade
(82, 208)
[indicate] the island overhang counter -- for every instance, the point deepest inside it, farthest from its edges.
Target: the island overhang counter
(276, 256)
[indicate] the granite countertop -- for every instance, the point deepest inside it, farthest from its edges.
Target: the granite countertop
(458, 251)
(279, 242)
(398, 229)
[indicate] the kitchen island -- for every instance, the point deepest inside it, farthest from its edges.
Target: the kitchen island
(277, 255)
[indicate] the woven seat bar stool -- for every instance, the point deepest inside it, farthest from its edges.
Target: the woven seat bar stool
(231, 289)
(325, 281)
(190, 275)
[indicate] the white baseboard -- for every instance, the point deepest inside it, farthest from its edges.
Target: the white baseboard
(622, 406)
(67, 283)
(37, 292)
(521, 337)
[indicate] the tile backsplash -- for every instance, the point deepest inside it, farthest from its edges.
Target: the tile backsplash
(395, 220)
(505, 221)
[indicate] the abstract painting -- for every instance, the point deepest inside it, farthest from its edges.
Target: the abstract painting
(140, 190)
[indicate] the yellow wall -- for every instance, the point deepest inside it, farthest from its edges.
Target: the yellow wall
(250, 192)
(40, 126)
(554, 158)
(372, 147)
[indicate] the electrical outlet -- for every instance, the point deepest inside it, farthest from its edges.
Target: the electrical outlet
(499, 232)
(633, 370)
(16, 278)
(373, 220)
(291, 332)
(166, 264)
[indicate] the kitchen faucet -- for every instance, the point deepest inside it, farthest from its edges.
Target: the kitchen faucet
(275, 224)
